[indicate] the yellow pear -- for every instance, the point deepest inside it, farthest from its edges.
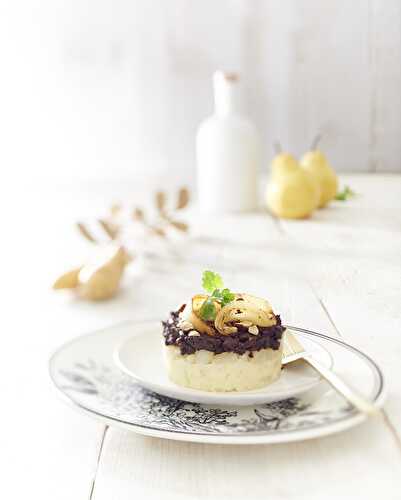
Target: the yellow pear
(67, 280)
(292, 193)
(100, 278)
(316, 164)
(282, 163)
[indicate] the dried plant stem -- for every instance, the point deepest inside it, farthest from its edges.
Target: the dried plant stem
(100, 281)
(159, 231)
(161, 199)
(181, 226)
(109, 229)
(85, 232)
(138, 214)
(183, 198)
(115, 209)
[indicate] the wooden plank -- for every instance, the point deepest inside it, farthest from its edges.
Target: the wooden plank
(385, 81)
(343, 466)
(304, 78)
(47, 449)
(250, 252)
(139, 78)
(331, 251)
(356, 271)
(264, 262)
(46, 446)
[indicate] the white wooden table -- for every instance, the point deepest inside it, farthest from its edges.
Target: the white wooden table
(339, 272)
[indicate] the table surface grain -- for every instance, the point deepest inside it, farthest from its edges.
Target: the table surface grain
(338, 272)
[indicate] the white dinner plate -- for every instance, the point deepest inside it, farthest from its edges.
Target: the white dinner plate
(141, 357)
(85, 374)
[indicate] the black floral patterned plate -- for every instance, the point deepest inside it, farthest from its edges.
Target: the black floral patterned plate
(84, 373)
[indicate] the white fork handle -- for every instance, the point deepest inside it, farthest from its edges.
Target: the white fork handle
(360, 402)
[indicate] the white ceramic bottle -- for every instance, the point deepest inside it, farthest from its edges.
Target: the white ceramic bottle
(228, 153)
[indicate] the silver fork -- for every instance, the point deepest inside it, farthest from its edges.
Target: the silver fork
(294, 351)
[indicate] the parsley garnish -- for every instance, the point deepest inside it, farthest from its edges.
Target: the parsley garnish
(208, 310)
(211, 281)
(345, 194)
(213, 284)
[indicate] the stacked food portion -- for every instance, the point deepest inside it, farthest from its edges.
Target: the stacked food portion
(223, 341)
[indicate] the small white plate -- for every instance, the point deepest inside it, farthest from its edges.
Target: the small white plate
(141, 357)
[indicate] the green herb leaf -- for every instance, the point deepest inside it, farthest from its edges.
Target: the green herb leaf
(211, 281)
(223, 296)
(345, 194)
(208, 310)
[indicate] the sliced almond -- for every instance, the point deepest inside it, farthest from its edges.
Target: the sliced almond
(185, 325)
(254, 330)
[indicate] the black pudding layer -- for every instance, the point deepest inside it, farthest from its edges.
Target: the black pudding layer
(239, 342)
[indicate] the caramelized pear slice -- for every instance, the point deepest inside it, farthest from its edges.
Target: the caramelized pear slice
(245, 307)
(197, 303)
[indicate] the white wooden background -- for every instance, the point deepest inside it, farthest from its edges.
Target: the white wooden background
(112, 88)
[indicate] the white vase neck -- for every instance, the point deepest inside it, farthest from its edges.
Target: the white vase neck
(226, 93)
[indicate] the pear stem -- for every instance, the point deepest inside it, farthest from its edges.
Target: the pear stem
(316, 141)
(277, 147)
